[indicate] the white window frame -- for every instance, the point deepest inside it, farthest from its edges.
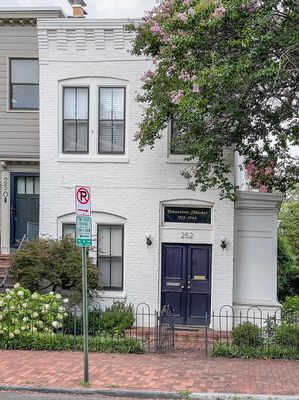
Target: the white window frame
(93, 156)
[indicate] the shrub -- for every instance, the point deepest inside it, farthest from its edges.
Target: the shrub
(23, 311)
(54, 264)
(290, 309)
(266, 352)
(287, 334)
(59, 342)
(117, 318)
(247, 334)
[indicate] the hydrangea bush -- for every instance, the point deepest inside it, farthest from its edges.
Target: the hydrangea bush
(226, 72)
(23, 312)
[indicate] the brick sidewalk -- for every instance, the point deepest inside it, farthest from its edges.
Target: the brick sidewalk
(175, 372)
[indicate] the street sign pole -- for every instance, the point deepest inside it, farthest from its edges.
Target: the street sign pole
(84, 240)
(85, 313)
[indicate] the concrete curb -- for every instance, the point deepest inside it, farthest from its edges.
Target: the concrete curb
(144, 394)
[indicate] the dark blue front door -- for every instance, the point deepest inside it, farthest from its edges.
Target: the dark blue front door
(186, 281)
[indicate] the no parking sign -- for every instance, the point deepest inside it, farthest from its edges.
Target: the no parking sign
(83, 200)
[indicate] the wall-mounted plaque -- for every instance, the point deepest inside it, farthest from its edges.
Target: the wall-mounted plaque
(189, 215)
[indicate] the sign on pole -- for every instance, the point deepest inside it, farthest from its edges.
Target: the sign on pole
(83, 231)
(83, 200)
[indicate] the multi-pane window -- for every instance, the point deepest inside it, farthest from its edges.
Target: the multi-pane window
(27, 184)
(111, 120)
(24, 88)
(110, 255)
(75, 120)
(176, 139)
(69, 230)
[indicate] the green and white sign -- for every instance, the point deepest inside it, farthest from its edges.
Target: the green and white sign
(83, 231)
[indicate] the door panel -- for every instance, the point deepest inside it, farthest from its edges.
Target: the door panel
(186, 281)
(174, 258)
(24, 205)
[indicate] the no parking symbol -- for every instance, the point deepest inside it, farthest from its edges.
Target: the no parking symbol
(83, 200)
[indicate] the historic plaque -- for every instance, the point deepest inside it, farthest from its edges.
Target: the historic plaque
(189, 215)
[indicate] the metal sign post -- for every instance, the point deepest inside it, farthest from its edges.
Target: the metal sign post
(84, 240)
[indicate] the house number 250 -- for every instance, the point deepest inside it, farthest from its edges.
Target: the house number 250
(186, 235)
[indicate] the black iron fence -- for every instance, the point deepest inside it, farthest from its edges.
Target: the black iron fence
(250, 333)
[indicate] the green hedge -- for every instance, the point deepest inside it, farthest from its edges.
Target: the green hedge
(265, 352)
(60, 342)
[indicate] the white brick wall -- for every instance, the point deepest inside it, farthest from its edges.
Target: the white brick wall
(132, 189)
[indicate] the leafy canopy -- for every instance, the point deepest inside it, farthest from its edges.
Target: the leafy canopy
(227, 73)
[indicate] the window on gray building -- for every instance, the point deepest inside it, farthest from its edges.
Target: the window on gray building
(110, 255)
(75, 120)
(24, 87)
(111, 120)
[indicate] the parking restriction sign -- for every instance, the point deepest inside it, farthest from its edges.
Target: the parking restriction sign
(83, 200)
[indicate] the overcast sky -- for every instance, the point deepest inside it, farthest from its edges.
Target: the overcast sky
(95, 8)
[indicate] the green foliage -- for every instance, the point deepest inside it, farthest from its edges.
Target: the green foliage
(285, 261)
(247, 334)
(21, 311)
(226, 72)
(287, 335)
(54, 264)
(117, 318)
(266, 352)
(290, 309)
(60, 342)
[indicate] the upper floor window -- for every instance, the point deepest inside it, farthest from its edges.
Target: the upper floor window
(75, 120)
(24, 88)
(176, 141)
(111, 120)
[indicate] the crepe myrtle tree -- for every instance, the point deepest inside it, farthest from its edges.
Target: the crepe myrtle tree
(226, 73)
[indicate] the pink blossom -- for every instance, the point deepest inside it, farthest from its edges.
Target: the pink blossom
(263, 189)
(182, 17)
(176, 97)
(219, 12)
(156, 28)
(195, 88)
(268, 170)
(184, 76)
(191, 11)
(186, 2)
(147, 76)
(193, 78)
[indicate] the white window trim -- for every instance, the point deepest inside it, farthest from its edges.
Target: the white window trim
(93, 156)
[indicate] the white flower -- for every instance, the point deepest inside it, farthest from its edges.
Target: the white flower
(40, 323)
(25, 319)
(51, 293)
(35, 315)
(8, 296)
(59, 316)
(7, 290)
(61, 309)
(46, 306)
(1, 331)
(24, 305)
(65, 300)
(1, 303)
(11, 335)
(35, 296)
(65, 314)
(23, 328)
(20, 293)
(1, 317)
(34, 329)
(55, 324)
(16, 331)
(58, 296)
(17, 285)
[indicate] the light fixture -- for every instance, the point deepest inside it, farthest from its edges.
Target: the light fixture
(223, 242)
(148, 239)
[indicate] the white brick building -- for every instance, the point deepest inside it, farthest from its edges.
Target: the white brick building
(88, 117)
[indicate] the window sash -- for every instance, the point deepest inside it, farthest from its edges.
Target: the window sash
(175, 146)
(76, 121)
(24, 83)
(112, 130)
(111, 262)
